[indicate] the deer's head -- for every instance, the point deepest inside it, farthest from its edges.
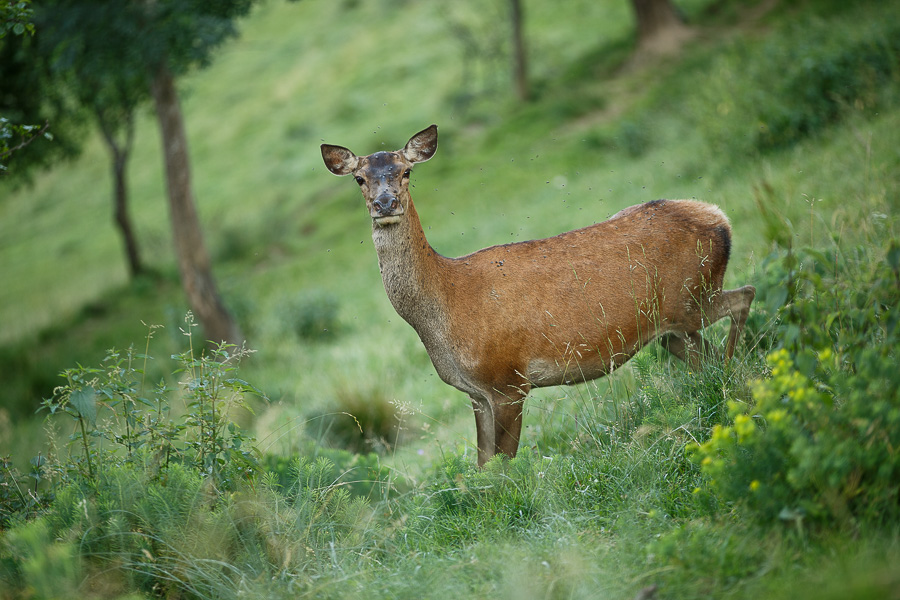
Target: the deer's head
(383, 177)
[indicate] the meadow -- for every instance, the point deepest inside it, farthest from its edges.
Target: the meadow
(331, 461)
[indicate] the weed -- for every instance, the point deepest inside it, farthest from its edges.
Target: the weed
(113, 404)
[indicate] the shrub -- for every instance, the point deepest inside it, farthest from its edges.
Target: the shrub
(822, 75)
(634, 138)
(178, 506)
(312, 315)
(821, 438)
(363, 419)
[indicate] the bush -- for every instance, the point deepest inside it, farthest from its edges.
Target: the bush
(362, 419)
(311, 316)
(121, 419)
(821, 75)
(821, 438)
(178, 506)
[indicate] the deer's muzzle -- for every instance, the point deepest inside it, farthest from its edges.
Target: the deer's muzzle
(386, 209)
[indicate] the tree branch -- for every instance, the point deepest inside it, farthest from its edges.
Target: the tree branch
(23, 130)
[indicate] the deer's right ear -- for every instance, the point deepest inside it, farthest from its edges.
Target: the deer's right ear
(338, 159)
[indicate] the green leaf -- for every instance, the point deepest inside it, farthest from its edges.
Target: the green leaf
(776, 298)
(146, 402)
(85, 402)
(893, 255)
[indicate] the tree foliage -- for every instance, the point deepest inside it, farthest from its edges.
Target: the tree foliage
(111, 56)
(16, 17)
(24, 86)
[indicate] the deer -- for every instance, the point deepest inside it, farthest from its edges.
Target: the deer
(557, 311)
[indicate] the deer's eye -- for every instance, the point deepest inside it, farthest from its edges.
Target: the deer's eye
(406, 173)
(360, 180)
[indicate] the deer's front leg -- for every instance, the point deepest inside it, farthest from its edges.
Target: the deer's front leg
(508, 422)
(484, 429)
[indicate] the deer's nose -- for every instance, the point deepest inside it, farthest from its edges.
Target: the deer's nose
(385, 203)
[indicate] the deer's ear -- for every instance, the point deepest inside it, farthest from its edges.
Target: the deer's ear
(338, 159)
(421, 146)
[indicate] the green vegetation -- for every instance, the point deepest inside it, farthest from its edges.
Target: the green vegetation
(828, 413)
(332, 462)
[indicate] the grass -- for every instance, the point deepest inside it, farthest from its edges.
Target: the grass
(603, 500)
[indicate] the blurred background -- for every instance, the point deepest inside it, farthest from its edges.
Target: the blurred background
(162, 185)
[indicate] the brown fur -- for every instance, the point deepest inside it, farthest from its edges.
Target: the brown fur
(561, 310)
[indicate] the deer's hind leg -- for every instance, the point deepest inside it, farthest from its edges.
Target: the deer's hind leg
(734, 304)
(688, 346)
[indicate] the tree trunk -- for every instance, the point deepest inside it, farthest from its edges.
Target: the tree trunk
(660, 27)
(123, 220)
(120, 154)
(520, 62)
(193, 259)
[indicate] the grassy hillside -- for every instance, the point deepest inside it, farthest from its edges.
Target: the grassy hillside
(786, 115)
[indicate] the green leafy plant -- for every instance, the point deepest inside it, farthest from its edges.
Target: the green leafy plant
(120, 421)
(820, 439)
(212, 392)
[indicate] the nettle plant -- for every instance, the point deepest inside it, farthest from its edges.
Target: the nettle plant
(121, 420)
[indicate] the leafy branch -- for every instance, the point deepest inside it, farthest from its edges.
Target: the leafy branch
(25, 133)
(16, 17)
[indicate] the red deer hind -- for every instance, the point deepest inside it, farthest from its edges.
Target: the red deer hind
(561, 310)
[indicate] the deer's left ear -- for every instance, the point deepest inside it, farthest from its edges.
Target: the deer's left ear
(421, 146)
(338, 159)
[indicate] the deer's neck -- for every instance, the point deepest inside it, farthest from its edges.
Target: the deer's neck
(411, 272)
(418, 281)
